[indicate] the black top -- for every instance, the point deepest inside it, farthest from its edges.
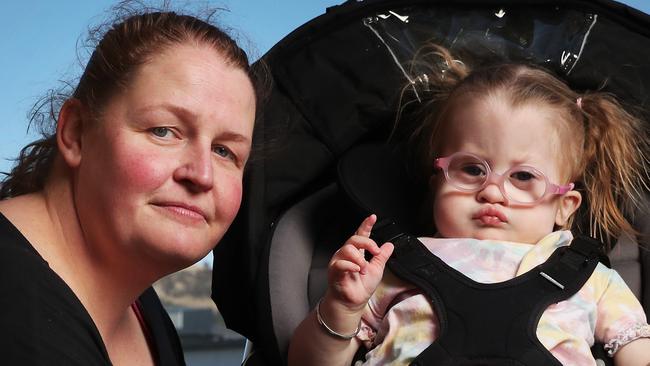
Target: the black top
(42, 322)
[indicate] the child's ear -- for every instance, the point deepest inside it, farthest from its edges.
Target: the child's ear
(68, 131)
(569, 203)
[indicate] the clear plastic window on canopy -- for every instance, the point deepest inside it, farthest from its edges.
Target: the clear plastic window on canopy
(588, 49)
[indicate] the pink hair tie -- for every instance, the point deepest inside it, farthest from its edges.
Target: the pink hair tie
(579, 102)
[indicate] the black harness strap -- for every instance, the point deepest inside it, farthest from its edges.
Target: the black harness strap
(491, 324)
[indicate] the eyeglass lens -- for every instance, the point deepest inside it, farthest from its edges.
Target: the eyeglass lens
(522, 183)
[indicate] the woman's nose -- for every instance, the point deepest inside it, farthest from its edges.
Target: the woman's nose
(196, 169)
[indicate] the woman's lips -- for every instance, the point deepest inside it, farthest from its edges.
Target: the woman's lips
(182, 211)
(490, 216)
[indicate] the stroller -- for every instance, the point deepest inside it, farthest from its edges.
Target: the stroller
(335, 96)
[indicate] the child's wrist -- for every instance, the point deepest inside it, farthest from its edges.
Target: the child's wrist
(331, 330)
(339, 317)
(340, 306)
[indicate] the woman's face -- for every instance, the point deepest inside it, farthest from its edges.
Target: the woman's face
(160, 177)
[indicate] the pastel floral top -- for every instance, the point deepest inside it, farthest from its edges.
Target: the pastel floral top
(399, 322)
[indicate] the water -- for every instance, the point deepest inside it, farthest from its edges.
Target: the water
(222, 356)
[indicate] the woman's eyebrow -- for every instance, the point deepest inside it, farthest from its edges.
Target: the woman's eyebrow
(234, 136)
(177, 110)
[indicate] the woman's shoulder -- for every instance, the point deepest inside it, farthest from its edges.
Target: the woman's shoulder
(41, 320)
(22, 269)
(16, 252)
(24, 274)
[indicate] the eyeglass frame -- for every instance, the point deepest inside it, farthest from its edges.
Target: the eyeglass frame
(492, 177)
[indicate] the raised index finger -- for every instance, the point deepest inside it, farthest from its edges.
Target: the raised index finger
(366, 226)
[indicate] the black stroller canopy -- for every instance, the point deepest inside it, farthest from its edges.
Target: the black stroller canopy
(337, 83)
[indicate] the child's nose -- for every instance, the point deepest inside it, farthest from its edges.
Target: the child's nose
(491, 193)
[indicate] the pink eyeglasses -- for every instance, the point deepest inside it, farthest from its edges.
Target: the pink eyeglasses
(522, 184)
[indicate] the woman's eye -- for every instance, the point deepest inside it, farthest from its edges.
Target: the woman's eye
(160, 131)
(224, 152)
(473, 170)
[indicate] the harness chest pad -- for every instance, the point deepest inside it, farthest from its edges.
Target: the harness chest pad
(492, 324)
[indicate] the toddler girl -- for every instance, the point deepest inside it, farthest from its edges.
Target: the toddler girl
(515, 152)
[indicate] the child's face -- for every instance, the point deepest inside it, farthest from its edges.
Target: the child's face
(505, 137)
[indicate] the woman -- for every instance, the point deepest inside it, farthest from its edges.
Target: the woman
(142, 178)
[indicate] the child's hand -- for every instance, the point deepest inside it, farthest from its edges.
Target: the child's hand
(352, 279)
(327, 335)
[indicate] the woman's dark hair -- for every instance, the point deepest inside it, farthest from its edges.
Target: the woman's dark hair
(117, 56)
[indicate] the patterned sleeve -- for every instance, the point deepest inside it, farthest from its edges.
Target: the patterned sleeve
(389, 291)
(620, 316)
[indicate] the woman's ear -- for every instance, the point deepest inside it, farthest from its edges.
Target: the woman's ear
(569, 203)
(69, 130)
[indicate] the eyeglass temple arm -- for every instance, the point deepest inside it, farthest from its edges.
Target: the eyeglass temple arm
(441, 163)
(563, 189)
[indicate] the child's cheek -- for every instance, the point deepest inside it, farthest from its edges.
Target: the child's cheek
(449, 208)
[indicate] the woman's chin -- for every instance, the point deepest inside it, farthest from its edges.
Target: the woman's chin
(170, 255)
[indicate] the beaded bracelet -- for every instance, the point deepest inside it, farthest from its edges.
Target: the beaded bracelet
(332, 331)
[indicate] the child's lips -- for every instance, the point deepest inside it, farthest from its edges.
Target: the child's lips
(490, 220)
(490, 216)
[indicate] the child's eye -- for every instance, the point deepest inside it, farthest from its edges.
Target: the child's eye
(223, 152)
(160, 131)
(473, 170)
(522, 175)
